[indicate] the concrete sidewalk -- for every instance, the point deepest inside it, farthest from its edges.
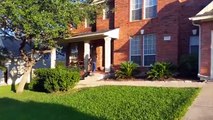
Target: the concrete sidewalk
(93, 81)
(202, 107)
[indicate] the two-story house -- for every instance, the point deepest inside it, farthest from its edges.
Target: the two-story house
(142, 31)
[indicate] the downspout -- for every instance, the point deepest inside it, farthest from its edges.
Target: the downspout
(202, 77)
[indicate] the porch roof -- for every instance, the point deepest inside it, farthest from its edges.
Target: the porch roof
(92, 36)
(206, 14)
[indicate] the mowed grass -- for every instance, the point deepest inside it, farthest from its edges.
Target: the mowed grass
(107, 102)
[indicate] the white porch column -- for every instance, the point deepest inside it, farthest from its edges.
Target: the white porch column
(86, 55)
(53, 58)
(107, 53)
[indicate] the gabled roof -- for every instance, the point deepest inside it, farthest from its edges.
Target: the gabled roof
(205, 14)
(114, 34)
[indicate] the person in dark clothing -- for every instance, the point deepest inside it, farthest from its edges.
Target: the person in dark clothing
(93, 63)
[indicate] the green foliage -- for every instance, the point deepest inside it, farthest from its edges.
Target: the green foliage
(126, 70)
(60, 64)
(3, 68)
(102, 103)
(43, 21)
(52, 80)
(188, 66)
(160, 71)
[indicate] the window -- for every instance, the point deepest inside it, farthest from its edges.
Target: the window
(136, 10)
(135, 49)
(150, 8)
(106, 12)
(194, 45)
(74, 53)
(149, 49)
(87, 23)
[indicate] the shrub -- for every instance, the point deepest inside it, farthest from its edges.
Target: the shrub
(52, 80)
(188, 66)
(60, 64)
(126, 70)
(160, 71)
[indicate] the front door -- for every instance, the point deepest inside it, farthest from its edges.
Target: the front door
(97, 55)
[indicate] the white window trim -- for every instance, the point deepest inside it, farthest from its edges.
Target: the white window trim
(104, 14)
(147, 54)
(130, 54)
(144, 9)
(85, 23)
(130, 10)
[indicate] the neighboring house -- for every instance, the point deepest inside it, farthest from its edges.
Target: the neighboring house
(204, 19)
(15, 66)
(142, 31)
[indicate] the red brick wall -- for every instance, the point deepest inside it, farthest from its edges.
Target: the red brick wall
(172, 20)
(188, 8)
(206, 48)
(102, 24)
(165, 24)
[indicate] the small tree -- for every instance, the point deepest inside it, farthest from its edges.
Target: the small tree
(38, 24)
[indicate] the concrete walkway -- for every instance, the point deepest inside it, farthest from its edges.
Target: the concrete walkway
(93, 81)
(202, 107)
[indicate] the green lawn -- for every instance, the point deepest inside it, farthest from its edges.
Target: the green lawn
(108, 102)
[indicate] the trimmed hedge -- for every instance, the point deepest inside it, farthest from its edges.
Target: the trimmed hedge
(53, 80)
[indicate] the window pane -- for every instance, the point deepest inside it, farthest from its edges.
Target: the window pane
(136, 59)
(149, 44)
(195, 50)
(149, 59)
(151, 12)
(137, 14)
(136, 9)
(136, 45)
(135, 49)
(106, 12)
(150, 3)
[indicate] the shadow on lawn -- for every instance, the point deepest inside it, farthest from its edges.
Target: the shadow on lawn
(17, 110)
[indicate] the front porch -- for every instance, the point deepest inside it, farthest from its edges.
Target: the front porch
(95, 45)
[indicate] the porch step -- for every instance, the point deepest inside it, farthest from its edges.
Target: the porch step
(95, 76)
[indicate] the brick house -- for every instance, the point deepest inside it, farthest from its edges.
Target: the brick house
(204, 20)
(142, 31)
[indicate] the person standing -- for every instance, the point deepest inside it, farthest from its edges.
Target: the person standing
(94, 63)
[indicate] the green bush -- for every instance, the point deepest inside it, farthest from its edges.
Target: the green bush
(188, 66)
(160, 71)
(126, 70)
(52, 80)
(60, 64)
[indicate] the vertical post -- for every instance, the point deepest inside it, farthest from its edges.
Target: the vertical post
(107, 50)
(53, 58)
(86, 55)
(7, 65)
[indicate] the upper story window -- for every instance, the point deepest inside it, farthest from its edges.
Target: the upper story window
(136, 10)
(106, 12)
(150, 8)
(149, 11)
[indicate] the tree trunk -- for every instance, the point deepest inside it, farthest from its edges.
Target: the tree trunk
(24, 79)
